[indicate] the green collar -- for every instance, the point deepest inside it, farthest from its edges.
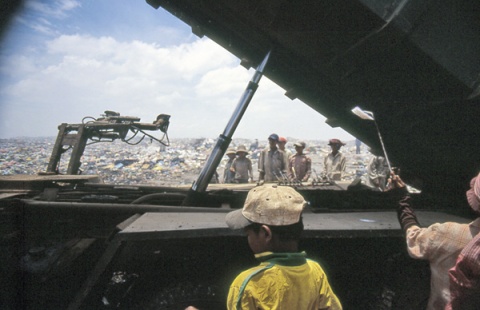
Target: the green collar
(283, 259)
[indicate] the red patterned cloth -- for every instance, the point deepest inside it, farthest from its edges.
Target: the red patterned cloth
(465, 278)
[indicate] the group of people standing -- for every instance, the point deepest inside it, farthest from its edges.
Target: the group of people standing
(276, 163)
(286, 279)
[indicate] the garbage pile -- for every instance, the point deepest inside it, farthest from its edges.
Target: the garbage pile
(153, 164)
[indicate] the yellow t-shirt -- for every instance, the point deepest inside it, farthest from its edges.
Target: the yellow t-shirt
(283, 281)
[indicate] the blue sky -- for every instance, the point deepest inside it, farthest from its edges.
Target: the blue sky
(63, 60)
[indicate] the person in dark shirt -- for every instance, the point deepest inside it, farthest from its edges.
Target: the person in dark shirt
(228, 175)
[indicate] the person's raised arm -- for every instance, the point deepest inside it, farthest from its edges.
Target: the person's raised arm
(405, 213)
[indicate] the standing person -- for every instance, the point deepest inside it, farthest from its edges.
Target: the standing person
(465, 275)
(242, 166)
(358, 145)
(228, 175)
(254, 146)
(272, 165)
(282, 141)
(299, 164)
(285, 278)
(440, 244)
(335, 163)
(377, 172)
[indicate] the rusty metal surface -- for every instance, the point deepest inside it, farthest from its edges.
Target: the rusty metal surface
(42, 178)
(23, 182)
(12, 194)
(189, 225)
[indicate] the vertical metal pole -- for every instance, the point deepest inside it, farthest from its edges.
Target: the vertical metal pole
(57, 149)
(200, 185)
(383, 147)
(77, 152)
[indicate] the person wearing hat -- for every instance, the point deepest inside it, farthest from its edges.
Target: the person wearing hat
(377, 172)
(228, 175)
(285, 279)
(282, 141)
(335, 163)
(242, 166)
(439, 243)
(272, 164)
(299, 164)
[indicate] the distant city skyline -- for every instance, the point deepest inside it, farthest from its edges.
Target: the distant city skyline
(63, 60)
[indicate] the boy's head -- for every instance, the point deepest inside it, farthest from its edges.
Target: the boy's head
(270, 205)
(281, 142)
(335, 144)
(299, 147)
(231, 153)
(269, 210)
(242, 151)
(272, 141)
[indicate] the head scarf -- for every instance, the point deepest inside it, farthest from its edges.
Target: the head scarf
(473, 194)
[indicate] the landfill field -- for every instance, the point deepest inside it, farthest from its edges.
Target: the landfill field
(154, 164)
(68, 252)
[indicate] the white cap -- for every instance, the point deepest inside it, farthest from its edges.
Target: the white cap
(268, 204)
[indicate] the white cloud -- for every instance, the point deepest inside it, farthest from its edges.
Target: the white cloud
(56, 9)
(199, 84)
(40, 25)
(42, 16)
(223, 81)
(84, 75)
